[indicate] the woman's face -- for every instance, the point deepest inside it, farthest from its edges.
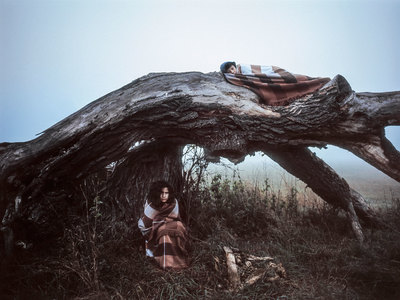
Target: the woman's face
(164, 195)
(232, 69)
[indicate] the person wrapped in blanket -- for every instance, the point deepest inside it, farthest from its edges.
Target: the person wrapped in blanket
(165, 234)
(274, 85)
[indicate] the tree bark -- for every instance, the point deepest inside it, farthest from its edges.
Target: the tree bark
(125, 128)
(129, 179)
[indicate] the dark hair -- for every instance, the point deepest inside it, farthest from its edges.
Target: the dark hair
(155, 192)
(226, 65)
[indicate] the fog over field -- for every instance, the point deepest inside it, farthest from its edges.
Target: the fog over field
(375, 186)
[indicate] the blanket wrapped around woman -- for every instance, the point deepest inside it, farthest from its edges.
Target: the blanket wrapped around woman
(274, 85)
(165, 235)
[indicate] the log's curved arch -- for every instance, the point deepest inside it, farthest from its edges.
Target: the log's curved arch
(203, 109)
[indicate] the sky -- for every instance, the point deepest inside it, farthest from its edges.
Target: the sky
(56, 56)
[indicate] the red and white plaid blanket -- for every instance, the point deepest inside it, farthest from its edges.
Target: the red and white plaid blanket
(274, 85)
(165, 235)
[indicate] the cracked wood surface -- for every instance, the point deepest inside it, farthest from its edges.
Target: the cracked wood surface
(203, 109)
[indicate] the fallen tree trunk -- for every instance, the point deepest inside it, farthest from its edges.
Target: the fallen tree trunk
(124, 127)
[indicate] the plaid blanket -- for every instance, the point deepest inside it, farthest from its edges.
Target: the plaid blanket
(274, 85)
(165, 235)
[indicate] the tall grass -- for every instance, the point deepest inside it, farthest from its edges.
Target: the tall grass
(101, 258)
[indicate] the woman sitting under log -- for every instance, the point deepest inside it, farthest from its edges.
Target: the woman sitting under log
(162, 228)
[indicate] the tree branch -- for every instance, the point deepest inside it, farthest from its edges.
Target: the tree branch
(205, 110)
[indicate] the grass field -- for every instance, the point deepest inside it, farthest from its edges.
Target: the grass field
(101, 258)
(376, 187)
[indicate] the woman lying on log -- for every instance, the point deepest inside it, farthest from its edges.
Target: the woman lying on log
(165, 234)
(274, 85)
